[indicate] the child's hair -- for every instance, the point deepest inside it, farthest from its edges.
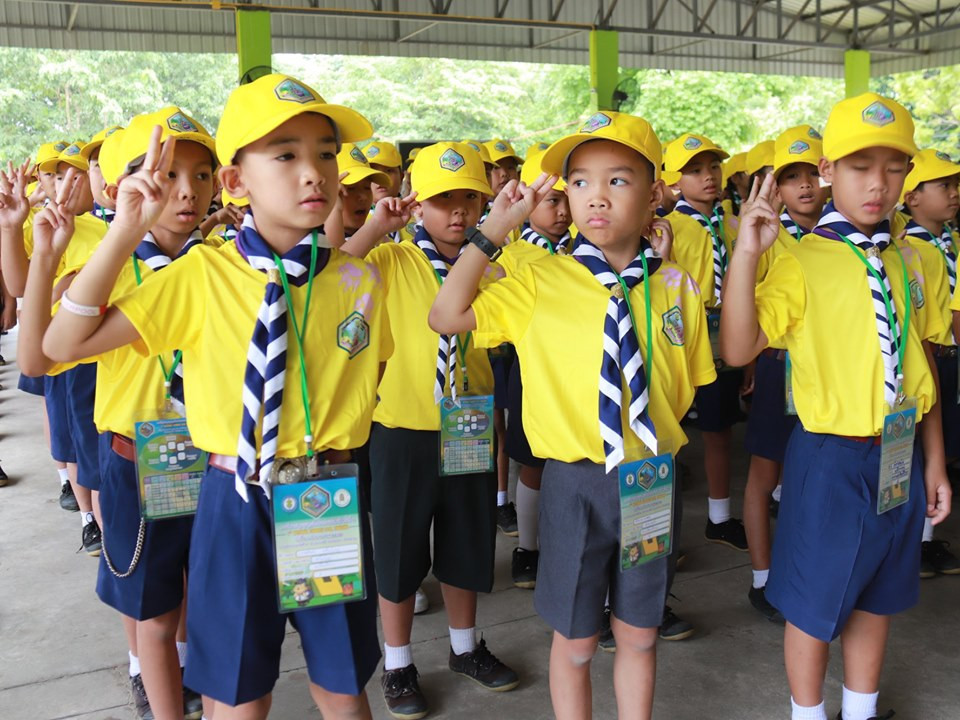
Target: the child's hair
(734, 195)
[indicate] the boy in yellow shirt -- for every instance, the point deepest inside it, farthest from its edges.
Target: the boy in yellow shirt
(646, 372)
(283, 389)
(385, 158)
(931, 198)
(846, 556)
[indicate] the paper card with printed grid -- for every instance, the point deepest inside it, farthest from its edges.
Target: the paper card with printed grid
(318, 539)
(169, 468)
(466, 435)
(713, 330)
(788, 385)
(896, 456)
(646, 510)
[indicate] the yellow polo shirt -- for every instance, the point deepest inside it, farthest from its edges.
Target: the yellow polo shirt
(693, 250)
(930, 283)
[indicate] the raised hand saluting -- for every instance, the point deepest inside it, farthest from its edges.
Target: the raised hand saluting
(759, 220)
(14, 205)
(142, 196)
(53, 226)
(513, 206)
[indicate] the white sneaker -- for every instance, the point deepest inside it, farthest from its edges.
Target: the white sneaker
(421, 604)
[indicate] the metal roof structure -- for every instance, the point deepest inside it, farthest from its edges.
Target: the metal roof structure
(798, 37)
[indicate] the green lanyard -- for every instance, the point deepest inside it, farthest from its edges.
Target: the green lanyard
(646, 297)
(461, 346)
(167, 374)
(299, 331)
(716, 231)
(936, 243)
(899, 341)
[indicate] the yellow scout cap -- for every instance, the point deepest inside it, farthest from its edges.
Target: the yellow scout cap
(258, 108)
(630, 130)
(801, 144)
(412, 155)
(447, 166)
(173, 121)
(71, 155)
(50, 150)
(929, 165)
(734, 164)
(480, 148)
(228, 199)
(759, 157)
(533, 167)
(97, 141)
(682, 150)
(500, 150)
(111, 165)
(536, 149)
(383, 153)
(868, 120)
(351, 161)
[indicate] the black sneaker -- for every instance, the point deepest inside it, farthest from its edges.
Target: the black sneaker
(507, 519)
(92, 539)
(68, 501)
(607, 642)
(935, 559)
(524, 568)
(758, 598)
(3, 478)
(402, 695)
(192, 703)
(482, 667)
(729, 533)
(140, 698)
(674, 627)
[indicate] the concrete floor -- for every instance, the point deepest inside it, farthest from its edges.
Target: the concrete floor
(62, 652)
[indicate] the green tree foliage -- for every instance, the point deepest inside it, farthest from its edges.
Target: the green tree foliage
(934, 101)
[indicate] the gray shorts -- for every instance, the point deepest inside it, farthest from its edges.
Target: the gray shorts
(580, 555)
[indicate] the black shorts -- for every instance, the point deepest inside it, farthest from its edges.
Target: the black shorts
(408, 496)
(516, 444)
(502, 358)
(718, 404)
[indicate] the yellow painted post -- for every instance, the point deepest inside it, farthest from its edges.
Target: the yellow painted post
(253, 42)
(604, 68)
(856, 71)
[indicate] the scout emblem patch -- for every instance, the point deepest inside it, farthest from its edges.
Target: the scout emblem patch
(877, 114)
(353, 334)
(293, 91)
(942, 156)
(60, 146)
(452, 160)
(373, 151)
(72, 150)
(673, 325)
(916, 292)
(500, 147)
(595, 122)
(814, 134)
(178, 122)
(798, 148)
(357, 155)
(691, 143)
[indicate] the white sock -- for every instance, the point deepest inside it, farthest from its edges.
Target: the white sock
(182, 653)
(86, 518)
(64, 476)
(134, 664)
(776, 492)
(927, 530)
(528, 516)
(463, 641)
(817, 712)
(760, 578)
(719, 510)
(501, 498)
(395, 658)
(859, 706)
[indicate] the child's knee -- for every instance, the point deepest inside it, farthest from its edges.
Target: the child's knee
(634, 639)
(577, 652)
(336, 705)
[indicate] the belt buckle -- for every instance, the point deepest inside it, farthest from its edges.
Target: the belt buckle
(289, 471)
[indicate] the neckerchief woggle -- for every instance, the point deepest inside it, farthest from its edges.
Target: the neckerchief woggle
(265, 374)
(621, 349)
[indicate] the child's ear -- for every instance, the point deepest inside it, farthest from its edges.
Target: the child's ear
(231, 181)
(110, 190)
(911, 199)
(656, 194)
(826, 170)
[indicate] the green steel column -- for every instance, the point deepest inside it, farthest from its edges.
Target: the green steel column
(253, 40)
(856, 71)
(604, 68)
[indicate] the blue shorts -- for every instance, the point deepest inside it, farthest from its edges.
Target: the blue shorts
(31, 385)
(516, 443)
(832, 553)
(769, 426)
(55, 396)
(234, 628)
(501, 360)
(949, 407)
(718, 404)
(81, 390)
(156, 585)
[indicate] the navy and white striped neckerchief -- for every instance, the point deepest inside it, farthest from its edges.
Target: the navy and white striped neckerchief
(103, 213)
(561, 247)
(832, 224)
(230, 232)
(621, 353)
(944, 244)
(486, 211)
(716, 235)
(267, 353)
(447, 349)
(150, 254)
(796, 230)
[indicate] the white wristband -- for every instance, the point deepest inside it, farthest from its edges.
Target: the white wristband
(84, 310)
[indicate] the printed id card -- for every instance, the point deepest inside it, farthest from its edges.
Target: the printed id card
(791, 409)
(317, 539)
(169, 468)
(646, 510)
(713, 330)
(896, 455)
(466, 435)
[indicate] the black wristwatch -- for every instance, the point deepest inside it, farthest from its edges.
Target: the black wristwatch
(483, 244)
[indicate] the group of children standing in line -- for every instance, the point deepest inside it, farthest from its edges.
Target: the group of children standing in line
(578, 305)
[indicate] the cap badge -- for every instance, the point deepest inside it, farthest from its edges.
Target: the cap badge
(474, 146)
(373, 151)
(293, 91)
(692, 143)
(72, 150)
(798, 148)
(500, 147)
(60, 146)
(452, 160)
(595, 122)
(542, 146)
(877, 114)
(178, 122)
(357, 155)
(814, 134)
(942, 156)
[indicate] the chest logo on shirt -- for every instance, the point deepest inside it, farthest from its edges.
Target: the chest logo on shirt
(673, 325)
(353, 334)
(916, 292)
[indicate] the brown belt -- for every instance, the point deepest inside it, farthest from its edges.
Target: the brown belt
(869, 440)
(228, 463)
(124, 447)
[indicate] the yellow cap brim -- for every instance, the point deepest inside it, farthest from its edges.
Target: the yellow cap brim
(933, 171)
(864, 140)
(355, 175)
(351, 126)
(495, 159)
(50, 166)
(87, 150)
(671, 177)
(449, 185)
(554, 159)
(803, 159)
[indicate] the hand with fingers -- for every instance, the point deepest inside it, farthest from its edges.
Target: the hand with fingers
(661, 238)
(392, 213)
(760, 222)
(513, 206)
(142, 196)
(14, 205)
(53, 227)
